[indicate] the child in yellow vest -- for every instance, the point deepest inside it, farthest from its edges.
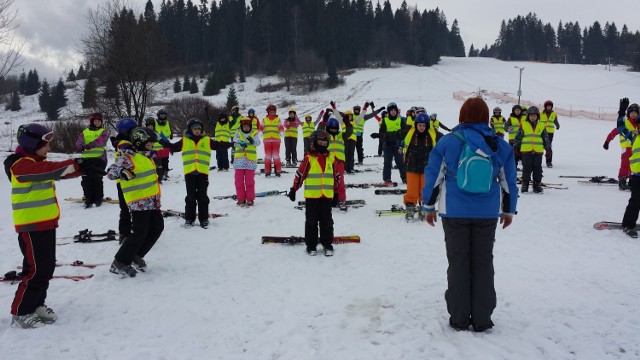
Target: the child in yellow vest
(245, 163)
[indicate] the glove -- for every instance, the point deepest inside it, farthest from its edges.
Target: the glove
(335, 201)
(624, 104)
(84, 165)
(292, 194)
(244, 144)
(250, 140)
(375, 135)
(127, 174)
(366, 105)
(557, 126)
(606, 145)
(333, 104)
(373, 106)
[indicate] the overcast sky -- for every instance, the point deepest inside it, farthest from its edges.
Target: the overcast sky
(53, 29)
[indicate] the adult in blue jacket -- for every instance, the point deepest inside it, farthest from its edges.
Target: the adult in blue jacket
(470, 219)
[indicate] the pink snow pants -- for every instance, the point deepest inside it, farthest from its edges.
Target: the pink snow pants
(272, 153)
(245, 185)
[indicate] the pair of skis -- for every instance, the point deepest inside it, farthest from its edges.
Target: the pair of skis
(368, 185)
(349, 204)
(15, 277)
(87, 236)
(260, 194)
(294, 240)
(107, 200)
(180, 214)
(401, 210)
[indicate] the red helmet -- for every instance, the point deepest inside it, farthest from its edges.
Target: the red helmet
(271, 107)
(548, 102)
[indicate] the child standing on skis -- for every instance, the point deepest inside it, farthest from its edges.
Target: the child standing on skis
(321, 180)
(140, 185)
(530, 143)
(291, 126)
(307, 129)
(246, 161)
(222, 134)
(272, 129)
(337, 140)
(35, 216)
(418, 144)
(91, 143)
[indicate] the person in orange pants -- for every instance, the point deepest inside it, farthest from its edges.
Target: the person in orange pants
(417, 146)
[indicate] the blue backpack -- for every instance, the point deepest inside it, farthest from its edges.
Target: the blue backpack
(475, 171)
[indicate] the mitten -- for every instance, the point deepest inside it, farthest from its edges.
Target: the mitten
(624, 104)
(292, 194)
(375, 135)
(606, 145)
(250, 140)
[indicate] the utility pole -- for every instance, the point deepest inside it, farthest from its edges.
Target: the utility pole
(519, 83)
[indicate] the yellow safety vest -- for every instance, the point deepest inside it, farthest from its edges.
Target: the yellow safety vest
(319, 184)
(336, 146)
(223, 132)
(393, 125)
(236, 124)
(407, 139)
(145, 184)
(358, 121)
(634, 160)
(270, 130)
(498, 124)
(164, 129)
(549, 121)
(291, 132)
(196, 157)
(33, 202)
(250, 151)
(410, 121)
(89, 136)
(515, 126)
(116, 155)
(624, 143)
(307, 128)
(532, 139)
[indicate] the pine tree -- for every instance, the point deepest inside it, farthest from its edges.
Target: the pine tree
(33, 83)
(71, 76)
(89, 99)
(82, 73)
(232, 98)
(186, 84)
(210, 87)
(14, 105)
(45, 96)
(58, 95)
(193, 87)
(332, 79)
(241, 76)
(177, 86)
(22, 83)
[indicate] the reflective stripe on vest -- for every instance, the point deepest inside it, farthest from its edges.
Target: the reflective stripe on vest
(307, 128)
(407, 139)
(236, 124)
(223, 132)
(164, 129)
(33, 202)
(318, 183)
(291, 132)
(532, 140)
(336, 146)
(549, 121)
(393, 125)
(145, 184)
(634, 160)
(89, 136)
(515, 126)
(270, 130)
(196, 157)
(250, 151)
(498, 124)
(624, 142)
(359, 124)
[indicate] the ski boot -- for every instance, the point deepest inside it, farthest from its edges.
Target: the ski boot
(525, 187)
(139, 264)
(204, 224)
(411, 210)
(188, 224)
(328, 251)
(622, 184)
(123, 269)
(537, 187)
(631, 232)
(343, 206)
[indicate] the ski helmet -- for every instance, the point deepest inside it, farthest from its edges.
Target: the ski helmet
(246, 121)
(32, 136)
(392, 106)
(516, 107)
(140, 136)
(95, 116)
(348, 112)
(433, 116)
(497, 110)
(271, 107)
(357, 107)
(533, 110)
(194, 123)
(149, 120)
(223, 117)
(293, 110)
(125, 125)
(251, 111)
(316, 137)
(307, 116)
(421, 109)
(235, 109)
(633, 107)
(548, 102)
(333, 124)
(162, 116)
(422, 118)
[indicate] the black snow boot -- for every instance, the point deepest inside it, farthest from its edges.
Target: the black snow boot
(525, 187)
(537, 187)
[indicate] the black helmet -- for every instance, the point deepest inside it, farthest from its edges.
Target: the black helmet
(319, 135)
(149, 120)
(633, 107)
(140, 136)
(513, 109)
(533, 110)
(392, 106)
(162, 117)
(194, 123)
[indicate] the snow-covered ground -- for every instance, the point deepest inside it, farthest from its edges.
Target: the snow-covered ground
(565, 290)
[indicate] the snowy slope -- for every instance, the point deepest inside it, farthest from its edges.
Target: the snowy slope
(565, 291)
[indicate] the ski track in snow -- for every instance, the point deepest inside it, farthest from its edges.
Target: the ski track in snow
(565, 290)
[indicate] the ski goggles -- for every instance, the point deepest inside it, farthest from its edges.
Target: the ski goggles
(23, 130)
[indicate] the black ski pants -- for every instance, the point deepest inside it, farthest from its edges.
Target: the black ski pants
(470, 295)
(147, 228)
(349, 155)
(124, 223)
(393, 151)
(515, 157)
(307, 145)
(633, 207)
(197, 185)
(360, 148)
(531, 162)
(290, 149)
(318, 212)
(549, 154)
(160, 170)
(222, 158)
(39, 262)
(91, 182)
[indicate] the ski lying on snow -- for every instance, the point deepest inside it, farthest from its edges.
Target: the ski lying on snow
(107, 200)
(14, 277)
(91, 240)
(395, 210)
(390, 191)
(174, 213)
(76, 263)
(86, 233)
(260, 194)
(588, 182)
(273, 173)
(348, 202)
(368, 185)
(300, 239)
(608, 225)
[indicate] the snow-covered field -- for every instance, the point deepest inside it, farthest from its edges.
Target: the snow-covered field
(565, 291)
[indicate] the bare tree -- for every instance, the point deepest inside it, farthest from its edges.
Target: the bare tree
(10, 48)
(128, 50)
(311, 66)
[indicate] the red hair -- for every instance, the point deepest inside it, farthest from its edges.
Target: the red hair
(474, 110)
